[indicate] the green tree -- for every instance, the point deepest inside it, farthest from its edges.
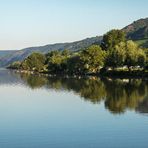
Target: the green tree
(15, 65)
(57, 61)
(34, 62)
(66, 53)
(134, 55)
(131, 54)
(92, 58)
(146, 62)
(116, 56)
(112, 38)
(141, 58)
(74, 65)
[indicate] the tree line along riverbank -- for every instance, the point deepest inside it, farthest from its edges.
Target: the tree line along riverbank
(116, 56)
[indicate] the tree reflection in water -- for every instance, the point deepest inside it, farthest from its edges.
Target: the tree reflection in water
(118, 95)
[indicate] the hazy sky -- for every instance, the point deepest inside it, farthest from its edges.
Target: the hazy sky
(25, 23)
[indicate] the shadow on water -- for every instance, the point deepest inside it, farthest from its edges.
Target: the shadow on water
(118, 95)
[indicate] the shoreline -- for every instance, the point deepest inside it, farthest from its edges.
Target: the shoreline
(109, 74)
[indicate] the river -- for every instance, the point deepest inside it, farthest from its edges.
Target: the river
(56, 112)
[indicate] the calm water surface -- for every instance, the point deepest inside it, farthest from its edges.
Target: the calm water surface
(42, 112)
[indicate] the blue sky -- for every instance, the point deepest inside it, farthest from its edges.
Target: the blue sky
(25, 23)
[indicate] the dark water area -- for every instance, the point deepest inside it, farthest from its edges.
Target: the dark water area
(40, 112)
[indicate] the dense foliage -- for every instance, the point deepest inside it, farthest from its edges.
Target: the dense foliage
(112, 38)
(35, 62)
(114, 52)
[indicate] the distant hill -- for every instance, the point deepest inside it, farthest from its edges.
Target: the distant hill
(20, 55)
(6, 52)
(138, 31)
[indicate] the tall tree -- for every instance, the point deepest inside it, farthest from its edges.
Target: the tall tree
(116, 57)
(134, 55)
(34, 62)
(57, 61)
(112, 38)
(92, 58)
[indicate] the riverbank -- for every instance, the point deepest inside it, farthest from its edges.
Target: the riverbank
(110, 74)
(126, 74)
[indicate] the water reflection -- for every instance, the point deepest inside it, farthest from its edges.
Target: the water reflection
(118, 95)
